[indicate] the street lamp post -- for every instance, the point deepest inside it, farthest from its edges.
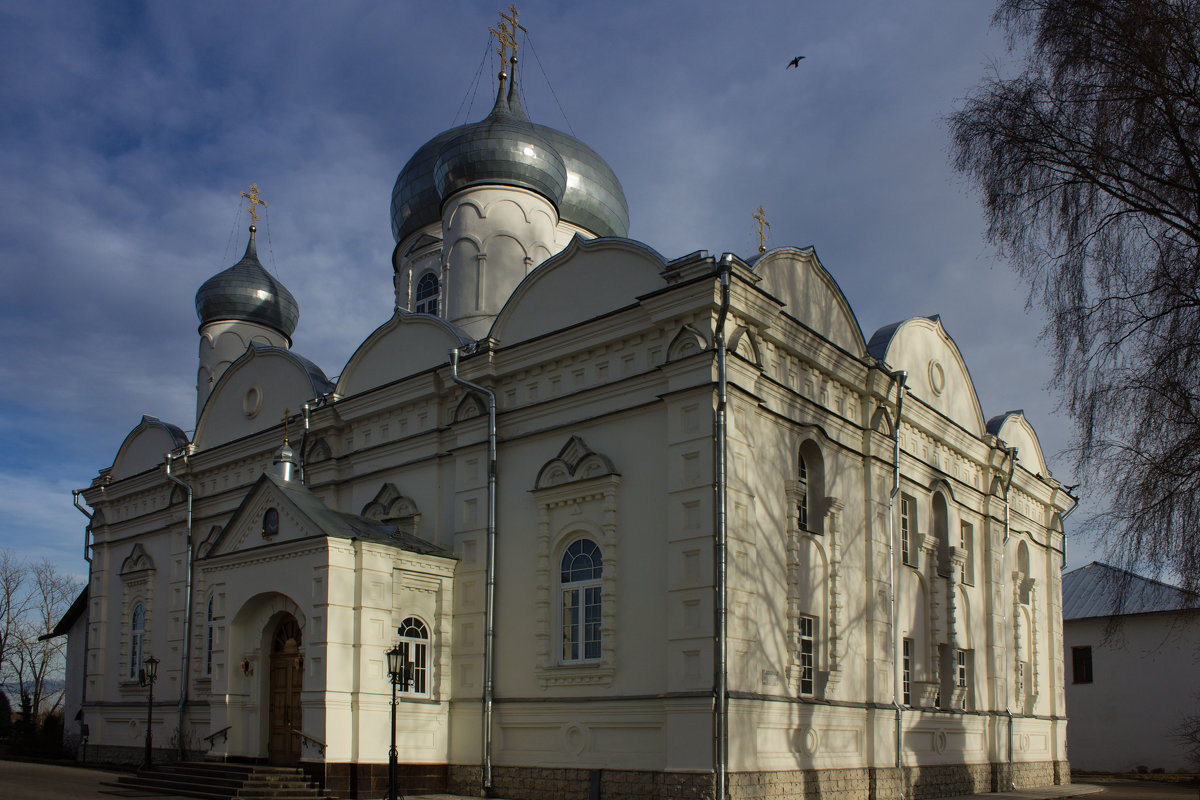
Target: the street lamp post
(395, 659)
(147, 676)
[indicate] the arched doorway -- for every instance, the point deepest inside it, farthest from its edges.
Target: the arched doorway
(287, 674)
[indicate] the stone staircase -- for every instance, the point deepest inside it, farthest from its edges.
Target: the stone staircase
(215, 781)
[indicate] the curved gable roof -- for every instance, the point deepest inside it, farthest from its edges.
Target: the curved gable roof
(145, 447)
(796, 277)
(937, 372)
(589, 278)
(406, 344)
(254, 392)
(1014, 430)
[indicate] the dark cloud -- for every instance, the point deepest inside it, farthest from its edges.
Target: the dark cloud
(129, 130)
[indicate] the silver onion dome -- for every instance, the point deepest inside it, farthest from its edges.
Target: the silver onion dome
(508, 149)
(247, 292)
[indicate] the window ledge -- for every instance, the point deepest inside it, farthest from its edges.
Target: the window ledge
(587, 674)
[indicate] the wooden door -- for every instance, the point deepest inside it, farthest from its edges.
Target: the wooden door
(285, 712)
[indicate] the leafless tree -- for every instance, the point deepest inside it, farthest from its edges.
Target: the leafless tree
(13, 602)
(31, 658)
(1088, 162)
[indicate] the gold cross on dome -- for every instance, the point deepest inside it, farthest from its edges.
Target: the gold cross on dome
(761, 216)
(507, 36)
(287, 412)
(253, 196)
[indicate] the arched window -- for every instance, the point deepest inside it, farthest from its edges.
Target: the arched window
(810, 488)
(414, 645)
(582, 568)
(137, 640)
(425, 298)
(208, 642)
(802, 503)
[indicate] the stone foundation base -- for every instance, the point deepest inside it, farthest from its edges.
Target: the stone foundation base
(911, 783)
(371, 780)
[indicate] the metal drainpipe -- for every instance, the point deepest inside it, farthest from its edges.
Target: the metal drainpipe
(185, 677)
(901, 379)
(721, 711)
(1012, 468)
(490, 601)
(307, 408)
(87, 627)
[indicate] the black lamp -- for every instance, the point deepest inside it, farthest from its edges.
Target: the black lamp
(147, 676)
(395, 660)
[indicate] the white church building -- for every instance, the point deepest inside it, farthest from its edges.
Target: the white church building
(648, 527)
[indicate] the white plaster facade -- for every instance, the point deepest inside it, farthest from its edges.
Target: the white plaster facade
(604, 359)
(1131, 679)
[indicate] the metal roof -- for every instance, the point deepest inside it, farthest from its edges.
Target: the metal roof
(1099, 590)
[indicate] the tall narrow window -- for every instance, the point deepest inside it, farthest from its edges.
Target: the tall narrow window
(808, 655)
(802, 502)
(582, 569)
(962, 675)
(1081, 664)
(414, 644)
(425, 298)
(907, 677)
(908, 525)
(208, 642)
(137, 640)
(966, 542)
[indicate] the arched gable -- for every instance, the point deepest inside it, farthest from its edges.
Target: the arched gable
(1014, 430)
(145, 446)
(796, 277)
(406, 344)
(937, 373)
(589, 278)
(255, 391)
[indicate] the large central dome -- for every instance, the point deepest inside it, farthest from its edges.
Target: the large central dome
(506, 148)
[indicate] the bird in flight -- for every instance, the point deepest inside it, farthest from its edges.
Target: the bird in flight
(795, 62)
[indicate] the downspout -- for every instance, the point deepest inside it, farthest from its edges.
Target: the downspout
(1011, 454)
(185, 666)
(721, 710)
(87, 555)
(307, 408)
(900, 379)
(490, 597)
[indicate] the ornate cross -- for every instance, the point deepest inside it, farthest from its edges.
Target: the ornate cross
(287, 412)
(761, 216)
(508, 36)
(255, 201)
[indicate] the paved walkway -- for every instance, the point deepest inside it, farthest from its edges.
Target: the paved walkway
(27, 780)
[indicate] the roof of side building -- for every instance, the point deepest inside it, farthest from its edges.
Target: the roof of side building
(1096, 591)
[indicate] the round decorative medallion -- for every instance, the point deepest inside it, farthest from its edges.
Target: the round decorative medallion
(252, 402)
(939, 741)
(575, 738)
(808, 740)
(937, 376)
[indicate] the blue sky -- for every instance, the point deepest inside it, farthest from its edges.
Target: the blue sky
(129, 130)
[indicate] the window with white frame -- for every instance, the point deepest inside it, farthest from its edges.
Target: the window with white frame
(582, 570)
(906, 683)
(966, 540)
(425, 298)
(208, 641)
(908, 528)
(808, 655)
(137, 640)
(962, 675)
(414, 647)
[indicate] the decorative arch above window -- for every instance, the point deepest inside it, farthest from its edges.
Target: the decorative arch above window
(577, 560)
(393, 508)
(425, 298)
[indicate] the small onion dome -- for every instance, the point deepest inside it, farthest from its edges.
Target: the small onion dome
(247, 292)
(593, 198)
(501, 149)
